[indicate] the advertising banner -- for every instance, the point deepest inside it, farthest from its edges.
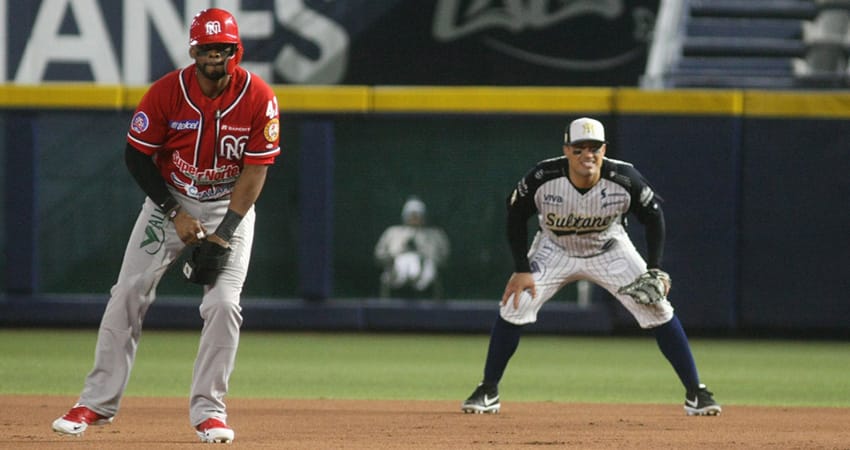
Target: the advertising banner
(320, 42)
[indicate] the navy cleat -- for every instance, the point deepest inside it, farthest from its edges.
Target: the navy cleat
(701, 403)
(484, 400)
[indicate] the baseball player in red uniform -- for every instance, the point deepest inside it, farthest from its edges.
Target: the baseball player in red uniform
(581, 200)
(199, 146)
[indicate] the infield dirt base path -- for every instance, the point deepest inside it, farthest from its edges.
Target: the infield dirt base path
(163, 423)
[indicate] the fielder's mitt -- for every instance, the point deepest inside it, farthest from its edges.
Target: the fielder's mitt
(205, 262)
(651, 287)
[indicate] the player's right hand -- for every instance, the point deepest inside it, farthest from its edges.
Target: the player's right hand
(188, 228)
(519, 282)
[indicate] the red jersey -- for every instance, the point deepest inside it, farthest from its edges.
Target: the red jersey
(200, 144)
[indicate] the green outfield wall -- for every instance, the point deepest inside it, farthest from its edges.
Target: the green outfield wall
(754, 182)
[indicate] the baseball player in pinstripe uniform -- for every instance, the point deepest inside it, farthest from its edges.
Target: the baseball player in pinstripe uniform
(581, 201)
(199, 146)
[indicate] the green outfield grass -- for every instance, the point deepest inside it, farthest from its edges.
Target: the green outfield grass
(443, 367)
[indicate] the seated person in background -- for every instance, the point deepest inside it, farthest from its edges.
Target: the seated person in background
(412, 253)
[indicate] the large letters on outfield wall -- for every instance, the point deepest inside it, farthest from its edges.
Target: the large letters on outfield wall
(369, 42)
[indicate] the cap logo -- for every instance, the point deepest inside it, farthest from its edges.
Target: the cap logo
(213, 27)
(588, 128)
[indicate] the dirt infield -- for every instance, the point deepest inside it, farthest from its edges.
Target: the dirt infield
(354, 424)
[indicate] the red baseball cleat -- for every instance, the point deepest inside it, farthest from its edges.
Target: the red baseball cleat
(75, 421)
(214, 431)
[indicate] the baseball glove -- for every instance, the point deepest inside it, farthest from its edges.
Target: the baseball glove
(651, 287)
(205, 262)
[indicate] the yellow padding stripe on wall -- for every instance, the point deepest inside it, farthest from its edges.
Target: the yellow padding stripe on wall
(62, 95)
(492, 100)
(468, 100)
(686, 101)
(827, 104)
(319, 99)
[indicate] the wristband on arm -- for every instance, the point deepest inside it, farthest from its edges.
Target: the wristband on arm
(170, 207)
(228, 225)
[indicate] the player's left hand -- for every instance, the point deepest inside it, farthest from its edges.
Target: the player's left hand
(517, 284)
(648, 288)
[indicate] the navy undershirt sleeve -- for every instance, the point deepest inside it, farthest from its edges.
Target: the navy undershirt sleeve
(148, 178)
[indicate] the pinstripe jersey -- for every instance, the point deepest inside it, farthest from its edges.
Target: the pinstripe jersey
(583, 223)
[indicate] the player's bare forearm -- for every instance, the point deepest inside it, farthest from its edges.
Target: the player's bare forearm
(248, 188)
(519, 282)
(244, 195)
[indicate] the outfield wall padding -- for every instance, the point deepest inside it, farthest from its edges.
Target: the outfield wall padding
(754, 187)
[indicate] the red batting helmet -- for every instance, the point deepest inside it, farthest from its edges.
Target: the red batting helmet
(217, 26)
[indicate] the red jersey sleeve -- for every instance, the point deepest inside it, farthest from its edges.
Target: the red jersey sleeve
(149, 125)
(264, 142)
